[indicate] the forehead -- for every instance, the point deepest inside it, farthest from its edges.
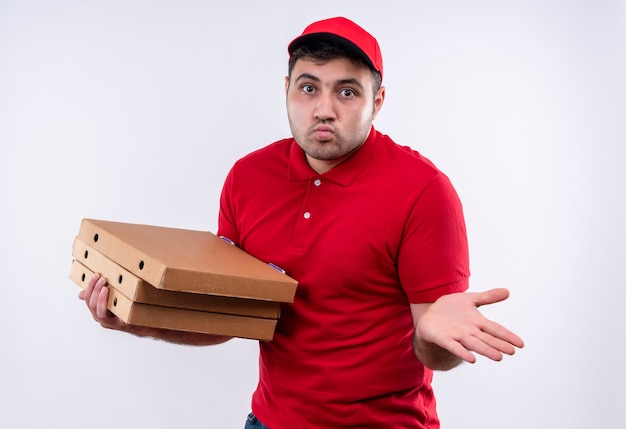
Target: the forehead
(332, 70)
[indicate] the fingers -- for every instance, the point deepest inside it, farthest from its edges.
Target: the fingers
(482, 344)
(490, 296)
(102, 312)
(492, 342)
(92, 296)
(96, 295)
(460, 350)
(501, 333)
(454, 323)
(85, 294)
(500, 346)
(492, 347)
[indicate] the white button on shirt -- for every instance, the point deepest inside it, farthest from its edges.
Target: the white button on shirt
(316, 182)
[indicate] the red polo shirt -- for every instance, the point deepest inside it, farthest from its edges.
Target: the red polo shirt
(378, 231)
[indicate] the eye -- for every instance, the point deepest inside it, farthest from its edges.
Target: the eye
(308, 88)
(347, 93)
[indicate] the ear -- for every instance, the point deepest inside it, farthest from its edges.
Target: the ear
(286, 84)
(379, 98)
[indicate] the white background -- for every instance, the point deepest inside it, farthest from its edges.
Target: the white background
(135, 110)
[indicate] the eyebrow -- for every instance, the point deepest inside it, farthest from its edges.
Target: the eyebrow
(308, 76)
(347, 81)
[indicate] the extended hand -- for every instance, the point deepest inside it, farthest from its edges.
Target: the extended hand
(454, 323)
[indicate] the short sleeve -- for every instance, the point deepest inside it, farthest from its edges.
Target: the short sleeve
(433, 256)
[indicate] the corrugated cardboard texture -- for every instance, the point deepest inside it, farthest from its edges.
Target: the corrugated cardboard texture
(186, 260)
(88, 260)
(178, 319)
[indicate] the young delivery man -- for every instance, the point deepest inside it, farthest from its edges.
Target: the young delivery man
(373, 232)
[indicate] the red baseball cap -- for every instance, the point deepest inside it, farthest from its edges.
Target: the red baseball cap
(345, 33)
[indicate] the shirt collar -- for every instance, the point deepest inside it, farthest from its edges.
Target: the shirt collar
(343, 174)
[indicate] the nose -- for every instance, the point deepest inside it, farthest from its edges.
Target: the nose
(325, 108)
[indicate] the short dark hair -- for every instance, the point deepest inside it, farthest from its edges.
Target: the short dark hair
(322, 52)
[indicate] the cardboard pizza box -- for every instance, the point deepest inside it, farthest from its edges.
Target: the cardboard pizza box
(187, 261)
(88, 261)
(156, 316)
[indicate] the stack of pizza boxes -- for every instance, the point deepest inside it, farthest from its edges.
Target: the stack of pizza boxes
(181, 279)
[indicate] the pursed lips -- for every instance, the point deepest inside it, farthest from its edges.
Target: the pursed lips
(323, 132)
